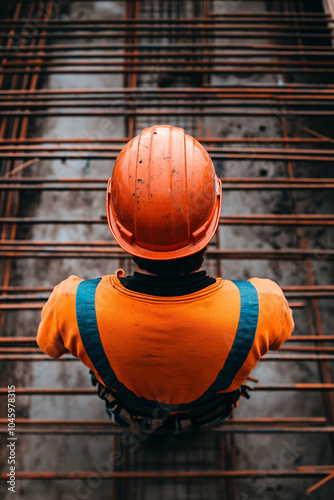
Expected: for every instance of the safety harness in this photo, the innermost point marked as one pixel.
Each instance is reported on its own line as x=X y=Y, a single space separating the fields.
x=128 y=409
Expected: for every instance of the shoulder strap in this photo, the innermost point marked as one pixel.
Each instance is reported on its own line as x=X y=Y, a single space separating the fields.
x=244 y=338
x=90 y=336
x=89 y=332
x=242 y=344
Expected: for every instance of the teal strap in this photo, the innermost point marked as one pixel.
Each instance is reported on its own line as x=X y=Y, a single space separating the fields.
x=244 y=338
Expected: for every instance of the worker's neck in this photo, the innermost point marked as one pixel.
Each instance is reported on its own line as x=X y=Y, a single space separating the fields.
x=143 y=271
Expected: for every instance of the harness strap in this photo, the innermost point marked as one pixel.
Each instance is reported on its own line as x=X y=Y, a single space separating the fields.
x=244 y=338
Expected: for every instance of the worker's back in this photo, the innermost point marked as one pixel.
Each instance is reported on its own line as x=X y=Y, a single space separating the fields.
x=167 y=349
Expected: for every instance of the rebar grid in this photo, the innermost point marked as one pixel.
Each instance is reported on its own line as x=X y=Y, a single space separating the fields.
x=177 y=42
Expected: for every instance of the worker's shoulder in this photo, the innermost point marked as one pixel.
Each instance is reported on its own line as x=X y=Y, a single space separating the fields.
x=267 y=287
x=63 y=297
x=68 y=286
x=271 y=299
x=64 y=292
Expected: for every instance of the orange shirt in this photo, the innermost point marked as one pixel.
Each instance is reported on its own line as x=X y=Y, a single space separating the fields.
x=166 y=349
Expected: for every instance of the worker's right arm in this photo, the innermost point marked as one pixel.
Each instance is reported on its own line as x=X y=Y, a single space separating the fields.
x=285 y=327
x=49 y=337
x=275 y=316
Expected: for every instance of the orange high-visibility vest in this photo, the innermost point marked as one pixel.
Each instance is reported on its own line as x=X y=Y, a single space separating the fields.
x=177 y=351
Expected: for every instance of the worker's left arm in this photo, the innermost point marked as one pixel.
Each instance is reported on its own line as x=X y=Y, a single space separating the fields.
x=49 y=337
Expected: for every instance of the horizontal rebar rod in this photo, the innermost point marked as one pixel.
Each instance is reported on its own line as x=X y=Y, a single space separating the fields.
x=211 y=149
x=231 y=52
x=288 y=348
x=264 y=14
x=193 y=64
x=10 y=51
x=232 y=100
x=62 y=426
x=283 y=156
x=135 y=69
x=165 y=32
x=268 y=14
x=275 y=114
x=227 y=187
x=15 y=184
x=169 y=26
x=268 y=219
x=183 y=21
x=293 y=89
x=220 y=430
x=27 y=181
x=231 y=97
x=194 y=474
x=211 y=140
x=112 y=243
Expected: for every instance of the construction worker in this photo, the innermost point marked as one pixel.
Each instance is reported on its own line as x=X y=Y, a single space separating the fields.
x=169 y=347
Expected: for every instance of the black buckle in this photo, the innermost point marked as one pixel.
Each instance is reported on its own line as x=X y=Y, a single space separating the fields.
x=244 y=391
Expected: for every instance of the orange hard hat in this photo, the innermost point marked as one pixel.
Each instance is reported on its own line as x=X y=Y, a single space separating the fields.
x=163 y=198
